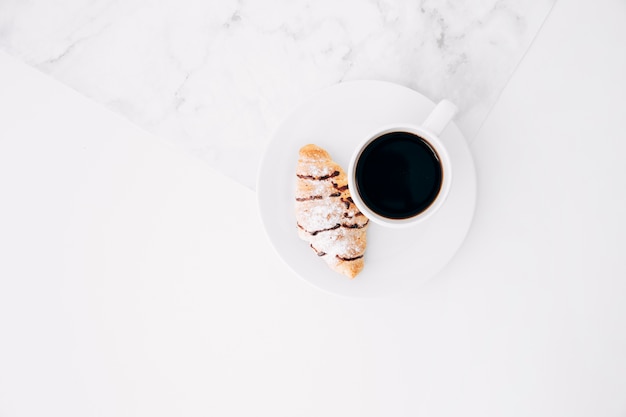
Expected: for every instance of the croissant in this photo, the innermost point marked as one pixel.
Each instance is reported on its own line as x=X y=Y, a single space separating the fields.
x=326 y=216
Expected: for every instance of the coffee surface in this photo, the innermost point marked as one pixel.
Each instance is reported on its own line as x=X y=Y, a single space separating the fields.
x=398 y=175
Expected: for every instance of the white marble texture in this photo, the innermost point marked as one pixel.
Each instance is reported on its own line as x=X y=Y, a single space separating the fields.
x=216 y=77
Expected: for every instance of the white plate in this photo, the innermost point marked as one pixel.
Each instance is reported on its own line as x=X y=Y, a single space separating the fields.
x=337 y=120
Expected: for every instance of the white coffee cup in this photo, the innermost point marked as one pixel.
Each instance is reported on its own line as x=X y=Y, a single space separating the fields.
x=401 y=174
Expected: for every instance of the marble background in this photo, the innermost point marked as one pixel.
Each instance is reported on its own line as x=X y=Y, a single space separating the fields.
x=216 y=77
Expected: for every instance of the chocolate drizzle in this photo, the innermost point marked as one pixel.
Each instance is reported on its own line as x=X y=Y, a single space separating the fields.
x=347 y=201
x=355 y=226
x=321 y=178
x=349 y=259
x=342 y=188
x=337 y=226
x=313 y=197
x=318 y=252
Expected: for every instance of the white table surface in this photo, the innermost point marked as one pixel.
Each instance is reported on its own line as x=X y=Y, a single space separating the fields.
x=134 y=280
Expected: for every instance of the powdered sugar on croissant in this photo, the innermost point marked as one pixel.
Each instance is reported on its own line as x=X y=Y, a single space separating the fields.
x=326 y=215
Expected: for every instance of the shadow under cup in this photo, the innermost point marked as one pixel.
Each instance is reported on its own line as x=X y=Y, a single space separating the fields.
x=398 y=175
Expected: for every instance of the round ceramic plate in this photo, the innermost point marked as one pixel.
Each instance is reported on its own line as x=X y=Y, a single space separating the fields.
x=337 y=119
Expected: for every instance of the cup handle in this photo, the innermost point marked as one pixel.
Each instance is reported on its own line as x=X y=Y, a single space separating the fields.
x=439 y=118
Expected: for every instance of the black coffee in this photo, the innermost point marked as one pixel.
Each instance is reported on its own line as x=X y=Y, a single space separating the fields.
x=398 y=175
